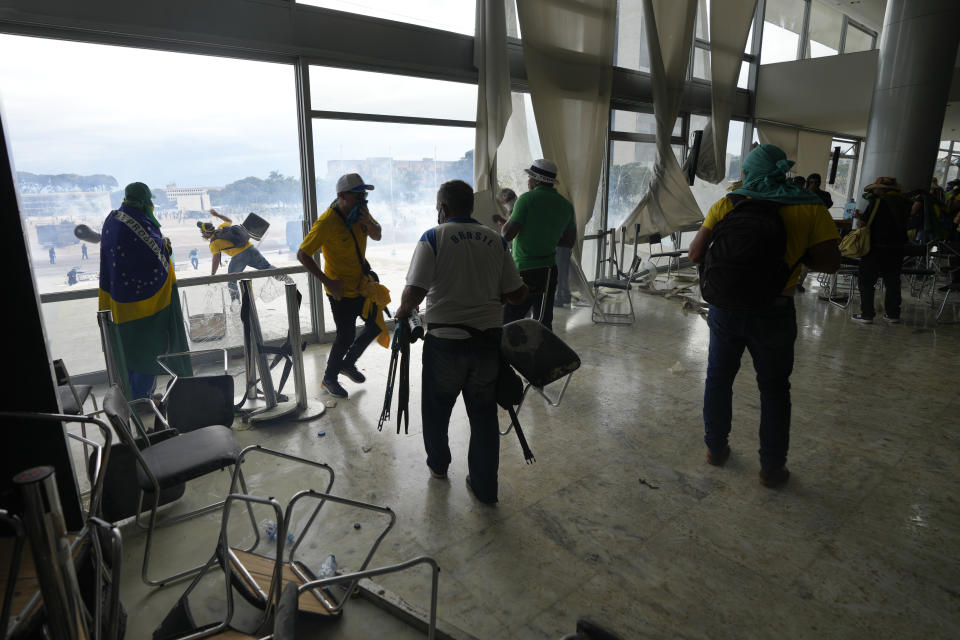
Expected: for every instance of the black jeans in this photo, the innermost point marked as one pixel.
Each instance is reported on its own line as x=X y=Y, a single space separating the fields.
x=348 y=346
x=470 y=367
x=881 y=263
x=535 y=279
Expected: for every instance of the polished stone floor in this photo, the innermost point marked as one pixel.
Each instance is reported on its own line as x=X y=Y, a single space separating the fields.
x=621 y=520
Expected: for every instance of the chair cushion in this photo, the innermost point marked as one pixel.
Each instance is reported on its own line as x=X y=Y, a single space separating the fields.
x=539 y=355
x=67 y=401
x=188 y=456
x=613 y=283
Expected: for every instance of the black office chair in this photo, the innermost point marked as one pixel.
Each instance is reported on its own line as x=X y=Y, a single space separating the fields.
x=168 y=463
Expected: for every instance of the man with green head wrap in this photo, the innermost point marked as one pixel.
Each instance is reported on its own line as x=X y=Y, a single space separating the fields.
x=769 y=331
x=139 y=287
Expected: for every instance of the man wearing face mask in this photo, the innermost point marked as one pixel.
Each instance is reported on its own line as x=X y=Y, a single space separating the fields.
x=341 y=233
x=463 y=269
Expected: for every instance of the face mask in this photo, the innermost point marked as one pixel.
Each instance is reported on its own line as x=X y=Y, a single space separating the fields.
x=354 y=214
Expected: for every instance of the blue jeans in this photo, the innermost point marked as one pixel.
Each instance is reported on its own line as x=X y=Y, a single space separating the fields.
x=769 y=335
x=248 y=258
x=470 y=367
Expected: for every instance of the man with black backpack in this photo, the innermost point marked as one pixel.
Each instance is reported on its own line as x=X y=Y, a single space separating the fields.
x=463 y=269
x=233 y=240
x=340 y=234
x=749 y=249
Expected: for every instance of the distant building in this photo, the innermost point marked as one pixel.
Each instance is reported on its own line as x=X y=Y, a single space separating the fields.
x=72 y=204
x=189 y=198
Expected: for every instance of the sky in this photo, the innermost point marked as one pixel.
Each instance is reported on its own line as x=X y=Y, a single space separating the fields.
x=193 y=120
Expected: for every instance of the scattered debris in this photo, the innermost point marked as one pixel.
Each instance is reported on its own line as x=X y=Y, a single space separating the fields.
x=321 y=433
x=366 y=448
x=644 y=482
x=356 y=525
x=677 y=368
x=330 y=404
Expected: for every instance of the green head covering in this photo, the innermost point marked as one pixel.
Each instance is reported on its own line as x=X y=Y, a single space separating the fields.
x=138 y=195
x=765 y=177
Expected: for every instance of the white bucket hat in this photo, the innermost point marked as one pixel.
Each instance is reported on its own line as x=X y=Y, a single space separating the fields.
x=543 y=171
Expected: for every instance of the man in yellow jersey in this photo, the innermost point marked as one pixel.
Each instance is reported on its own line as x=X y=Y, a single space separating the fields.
x=236 y=245
x=807 y=236
x=341 y=233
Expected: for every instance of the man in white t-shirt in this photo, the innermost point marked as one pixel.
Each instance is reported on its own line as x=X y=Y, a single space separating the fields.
x=464 y=271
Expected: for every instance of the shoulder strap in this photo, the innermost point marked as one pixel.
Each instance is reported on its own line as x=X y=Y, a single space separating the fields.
x=873 y=212
x=141 y=233
x=364 y=265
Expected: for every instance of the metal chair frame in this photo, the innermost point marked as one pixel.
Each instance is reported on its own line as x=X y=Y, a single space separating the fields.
x=121 y=425
x=597 y=314
x=94 y=528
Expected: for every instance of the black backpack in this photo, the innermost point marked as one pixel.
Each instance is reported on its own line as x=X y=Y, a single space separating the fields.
x=235 y=234
x=743 y=268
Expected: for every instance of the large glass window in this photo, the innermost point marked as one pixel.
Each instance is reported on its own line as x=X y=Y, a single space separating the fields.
x=858 y=40
x=405 y=161
x=351 y=91
x=75 y=147
x=447 y=15
x=781 y=31
x=826 y=26
x=85 y=120
x=631 y=49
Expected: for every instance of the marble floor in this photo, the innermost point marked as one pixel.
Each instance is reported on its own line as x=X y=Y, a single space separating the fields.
x=621 y=520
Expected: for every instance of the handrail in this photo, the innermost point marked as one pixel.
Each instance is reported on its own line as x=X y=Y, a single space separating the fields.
x=83 y=294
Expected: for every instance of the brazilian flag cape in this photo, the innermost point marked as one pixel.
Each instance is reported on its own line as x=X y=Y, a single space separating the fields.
x=138 y=284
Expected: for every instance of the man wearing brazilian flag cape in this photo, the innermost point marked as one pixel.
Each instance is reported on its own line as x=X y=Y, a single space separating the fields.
x=138 y=284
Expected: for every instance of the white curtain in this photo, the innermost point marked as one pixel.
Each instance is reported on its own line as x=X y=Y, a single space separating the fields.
x=729 y=29
x=568 y=52
x=809 y=150
x=669 y=204
x=494 y=105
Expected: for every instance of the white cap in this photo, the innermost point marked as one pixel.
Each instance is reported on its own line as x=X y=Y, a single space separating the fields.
x=352 y=182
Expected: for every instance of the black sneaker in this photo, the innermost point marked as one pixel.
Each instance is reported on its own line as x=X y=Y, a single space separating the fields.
x=474 y=493
x=862 y=319
x=334 y=388
x=891 y=320
x=774 y=478
x=350 y=370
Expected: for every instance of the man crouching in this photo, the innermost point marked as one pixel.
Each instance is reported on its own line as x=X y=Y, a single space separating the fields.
x=463 y=269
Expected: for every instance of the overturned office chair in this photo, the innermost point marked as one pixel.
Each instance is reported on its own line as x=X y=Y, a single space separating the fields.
x=600 y=314
x=251 y=571
x=168 y=463
x=278 y=614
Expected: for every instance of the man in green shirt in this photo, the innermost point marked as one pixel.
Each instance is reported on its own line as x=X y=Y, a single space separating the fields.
x=542 y=220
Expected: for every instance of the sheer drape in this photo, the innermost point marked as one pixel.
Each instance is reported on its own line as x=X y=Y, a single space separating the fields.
x=568 y=52
x=494 y=105
x=669 y=204
x=729 y=29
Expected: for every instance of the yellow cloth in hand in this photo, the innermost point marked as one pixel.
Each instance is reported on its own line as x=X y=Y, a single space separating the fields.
x=375 y=293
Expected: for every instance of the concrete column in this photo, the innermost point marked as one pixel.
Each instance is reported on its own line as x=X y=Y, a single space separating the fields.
x=918 y=51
